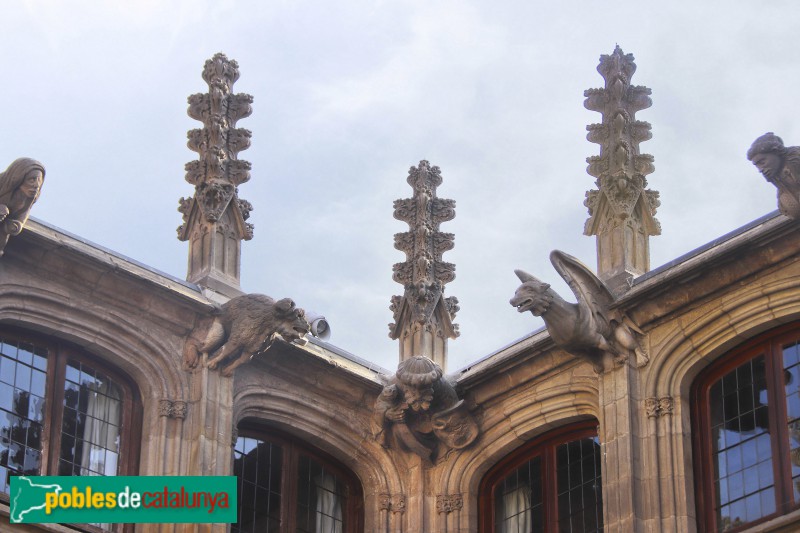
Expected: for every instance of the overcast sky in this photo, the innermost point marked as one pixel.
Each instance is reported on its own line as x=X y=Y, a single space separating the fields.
x=350 y=94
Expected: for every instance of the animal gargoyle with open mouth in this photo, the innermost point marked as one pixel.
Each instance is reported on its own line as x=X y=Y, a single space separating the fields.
x=590 y=329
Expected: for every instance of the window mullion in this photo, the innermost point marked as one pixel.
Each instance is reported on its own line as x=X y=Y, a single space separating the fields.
x=550 y=489
x=778 y=426
x=707 y=454
x=56 y=370
x=289 y=491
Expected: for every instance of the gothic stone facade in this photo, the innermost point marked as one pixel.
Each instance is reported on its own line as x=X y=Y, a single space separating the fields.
x=696 y=428
x=693 y=311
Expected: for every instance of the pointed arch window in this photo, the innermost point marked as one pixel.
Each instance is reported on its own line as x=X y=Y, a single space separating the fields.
x=552 y=484
x=62 y=412
x=746 y=429
x=286 y=486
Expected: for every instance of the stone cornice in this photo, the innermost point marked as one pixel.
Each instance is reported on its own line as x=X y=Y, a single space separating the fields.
x=57 y=240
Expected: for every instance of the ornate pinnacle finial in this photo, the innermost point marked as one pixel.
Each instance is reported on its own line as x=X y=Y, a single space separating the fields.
x=621 y=210
x=214 y=219
x=423 y=317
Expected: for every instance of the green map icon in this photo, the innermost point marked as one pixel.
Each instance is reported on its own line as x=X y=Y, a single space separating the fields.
x=28 y=497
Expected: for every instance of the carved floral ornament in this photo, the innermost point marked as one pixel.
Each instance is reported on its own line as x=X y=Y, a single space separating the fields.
x=394 y=503
x=591 y=329
x=447 y=503
x=218 y=172
x=172 y=408
x=424 y=274
x=658 y=407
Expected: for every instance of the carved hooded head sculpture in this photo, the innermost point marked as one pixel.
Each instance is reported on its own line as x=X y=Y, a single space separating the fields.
x=20 y=186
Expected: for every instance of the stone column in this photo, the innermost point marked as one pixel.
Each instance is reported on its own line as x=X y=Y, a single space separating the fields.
x=208 y=431
x=624 y=483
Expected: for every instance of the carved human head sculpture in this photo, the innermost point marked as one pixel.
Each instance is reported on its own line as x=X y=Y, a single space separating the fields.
x=767 y=153
x=20 y=186
x=24 y=177
x=416 y=377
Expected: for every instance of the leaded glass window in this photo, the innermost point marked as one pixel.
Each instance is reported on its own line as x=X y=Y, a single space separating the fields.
x=63 y=412
x=22 y=408
x=286 y=486
x=747 y=433
x=551 y=485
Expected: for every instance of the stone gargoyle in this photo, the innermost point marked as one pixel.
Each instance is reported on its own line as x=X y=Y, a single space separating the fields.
x=243 y=327
x=20 y=186
x=780 y=165
x=419 y=411
x=590 y=329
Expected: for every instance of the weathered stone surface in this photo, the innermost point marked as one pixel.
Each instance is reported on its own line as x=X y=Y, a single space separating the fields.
x=590 y=329
x=780 y=165
x=418 y=411
x=621 y=209
x=20 y=186
x=689 y=314
x=245 y=326
x=423 y=316
x=214 y=219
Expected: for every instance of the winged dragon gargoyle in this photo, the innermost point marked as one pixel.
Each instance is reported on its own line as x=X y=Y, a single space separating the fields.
x=590 y=329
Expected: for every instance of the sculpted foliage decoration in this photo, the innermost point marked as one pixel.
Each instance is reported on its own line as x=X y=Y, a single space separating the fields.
x=780 y=166
x=590 y=329
x=20 y=186
x=621 y=209
x=218 y=171
x=245 y=326
x=423 y=274
x=214 y=217
x=418 y=411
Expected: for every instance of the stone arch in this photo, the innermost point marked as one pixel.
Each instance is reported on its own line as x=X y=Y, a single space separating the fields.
x=699 y=338
x=538 y=412
x=152 y=363
x=694 y=341
x=345 y=436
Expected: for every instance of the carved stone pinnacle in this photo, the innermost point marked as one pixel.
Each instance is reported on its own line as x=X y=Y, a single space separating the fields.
x=214 y=218
x=621 y=209
x=423 y=316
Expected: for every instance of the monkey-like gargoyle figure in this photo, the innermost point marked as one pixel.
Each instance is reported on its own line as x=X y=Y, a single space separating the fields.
x=590 y=329
x=245 y=326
